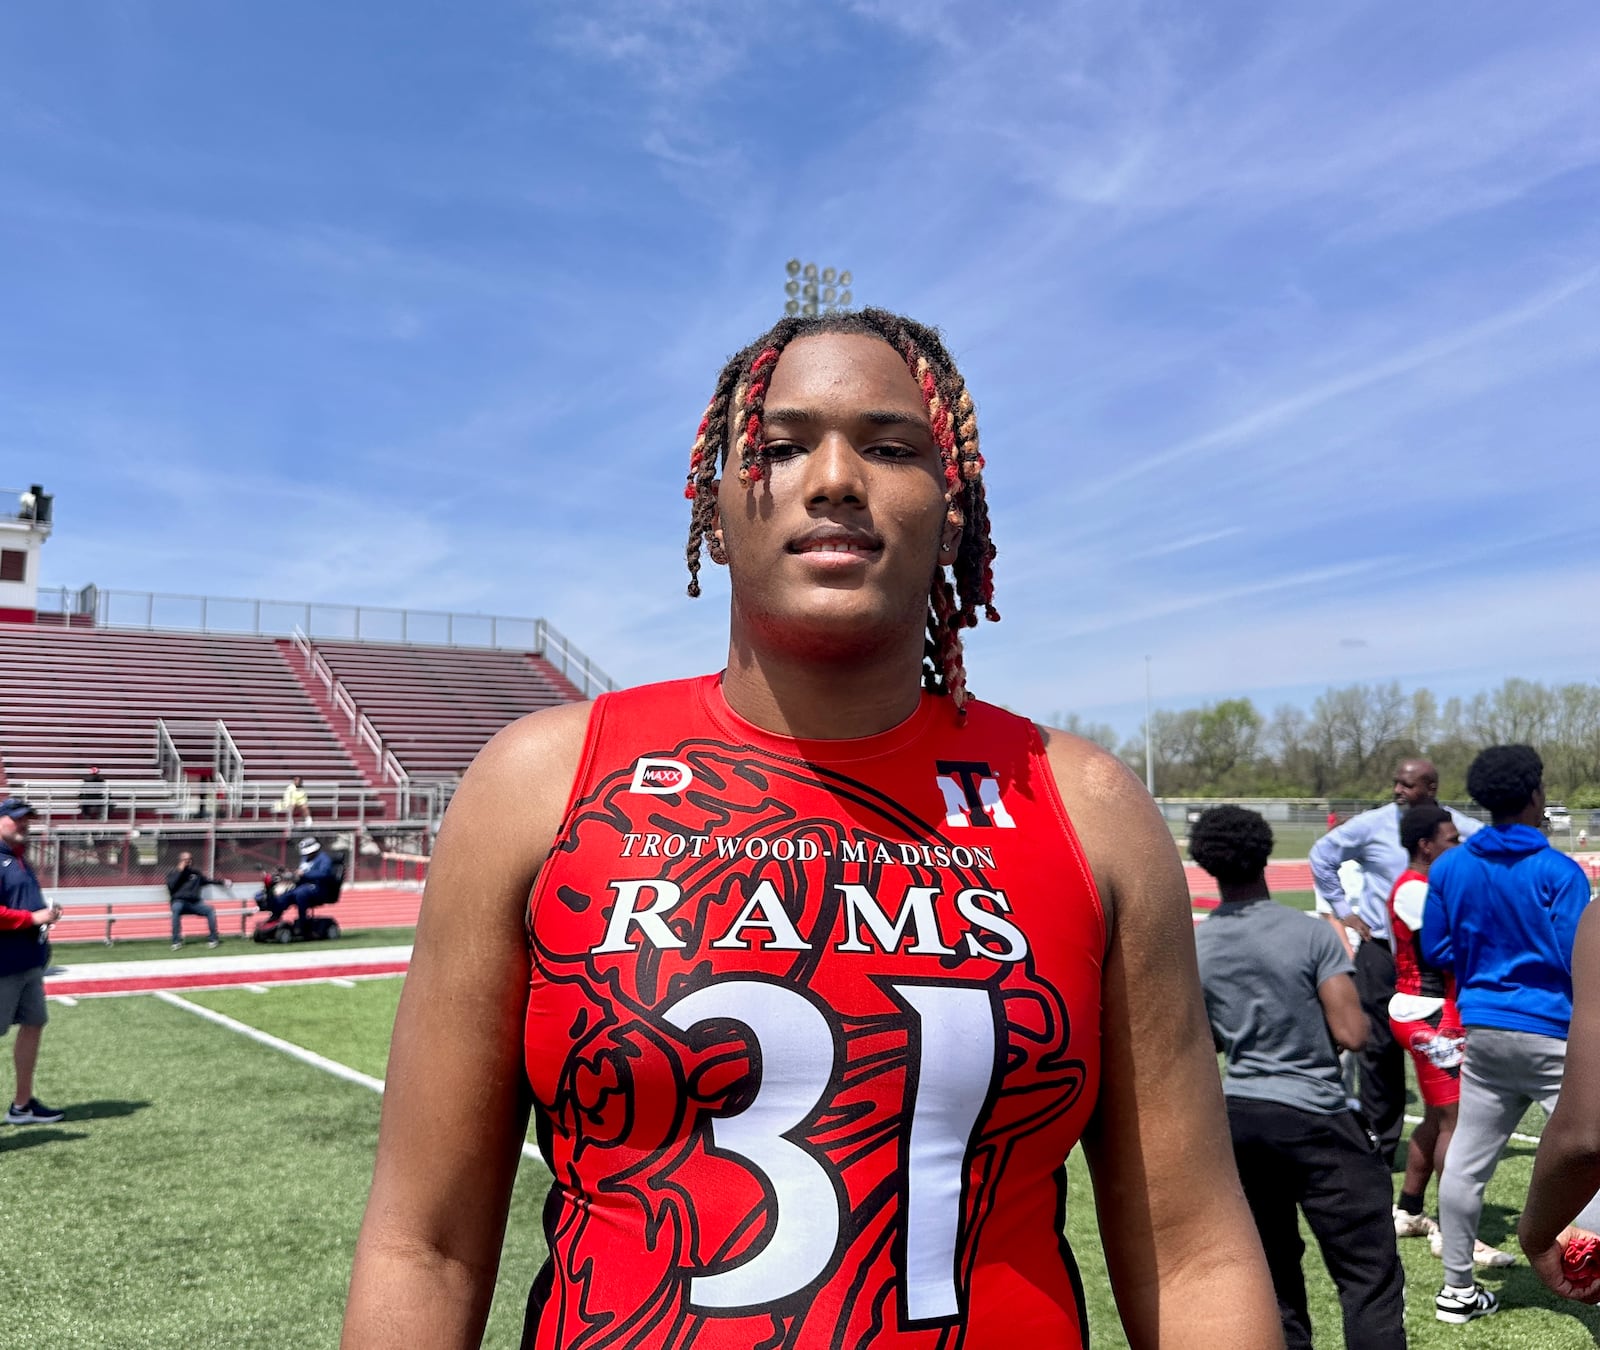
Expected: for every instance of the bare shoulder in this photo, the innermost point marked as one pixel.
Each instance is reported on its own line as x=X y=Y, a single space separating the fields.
x=1089 y=774
x=509 y=805
x=1126 y=841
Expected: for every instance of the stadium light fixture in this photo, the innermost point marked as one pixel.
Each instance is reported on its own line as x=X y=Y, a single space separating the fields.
x=811 y=290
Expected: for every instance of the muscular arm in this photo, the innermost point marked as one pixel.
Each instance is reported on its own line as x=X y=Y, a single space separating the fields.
x=1185 y=1261
x=1566 y=1171
x=454 y=1109
x=1341 y=1009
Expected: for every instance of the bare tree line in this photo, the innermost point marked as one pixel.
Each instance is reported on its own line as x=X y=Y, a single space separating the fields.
x=1346 y=746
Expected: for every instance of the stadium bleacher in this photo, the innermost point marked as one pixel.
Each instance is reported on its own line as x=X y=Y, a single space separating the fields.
x=71 y=697
x=435 y=707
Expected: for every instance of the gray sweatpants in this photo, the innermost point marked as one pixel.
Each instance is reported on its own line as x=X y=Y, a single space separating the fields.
x=1505 y=1072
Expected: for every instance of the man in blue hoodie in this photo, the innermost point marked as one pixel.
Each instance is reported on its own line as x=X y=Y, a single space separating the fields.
x=1502 y=912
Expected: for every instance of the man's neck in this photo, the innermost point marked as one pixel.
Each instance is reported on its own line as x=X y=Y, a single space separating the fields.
x=823 y=700
x=1241 y=892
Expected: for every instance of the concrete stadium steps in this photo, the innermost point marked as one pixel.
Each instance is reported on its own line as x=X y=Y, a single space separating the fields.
x=360 y=752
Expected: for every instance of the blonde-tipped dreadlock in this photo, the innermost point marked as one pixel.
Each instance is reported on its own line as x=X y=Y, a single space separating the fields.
x=732 y=427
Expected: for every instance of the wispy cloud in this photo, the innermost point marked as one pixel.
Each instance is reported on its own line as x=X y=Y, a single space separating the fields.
x=1273 y=318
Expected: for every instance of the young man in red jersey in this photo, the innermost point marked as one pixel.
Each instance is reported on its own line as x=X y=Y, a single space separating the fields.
x=814 y=971
x=1424 y=1019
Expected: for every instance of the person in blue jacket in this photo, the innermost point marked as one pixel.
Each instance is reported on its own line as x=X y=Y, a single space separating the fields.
x=24 y=953
x=316 y=882
x=1502 y=912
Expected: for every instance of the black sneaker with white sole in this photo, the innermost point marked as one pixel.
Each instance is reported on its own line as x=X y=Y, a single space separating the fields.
x=35 y=1112
x=1451 y=1306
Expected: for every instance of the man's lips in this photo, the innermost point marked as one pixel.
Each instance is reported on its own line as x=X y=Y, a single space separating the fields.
x=837 y=541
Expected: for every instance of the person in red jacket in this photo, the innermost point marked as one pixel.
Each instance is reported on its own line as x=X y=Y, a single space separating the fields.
x=813 y=971
x=24 y=954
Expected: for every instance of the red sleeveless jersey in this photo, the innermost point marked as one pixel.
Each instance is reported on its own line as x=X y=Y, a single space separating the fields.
x=812 y=1028
x=1412 y=974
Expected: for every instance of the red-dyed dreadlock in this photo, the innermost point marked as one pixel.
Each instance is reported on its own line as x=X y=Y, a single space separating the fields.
x=733 y=423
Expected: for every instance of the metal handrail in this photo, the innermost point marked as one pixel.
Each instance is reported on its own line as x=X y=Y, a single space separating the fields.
x=343 y=700
x=109 y=609
x=228 y=763
x=169 y=763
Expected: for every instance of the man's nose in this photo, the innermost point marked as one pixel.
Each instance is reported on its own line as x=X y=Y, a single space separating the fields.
x=834 y=470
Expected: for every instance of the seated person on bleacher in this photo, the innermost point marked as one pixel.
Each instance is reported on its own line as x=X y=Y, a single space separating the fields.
x=184 y=888
x=93 y=795
x=316 y=883
x=294 y=803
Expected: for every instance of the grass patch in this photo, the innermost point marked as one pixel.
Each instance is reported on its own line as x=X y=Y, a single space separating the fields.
x=206 y=1191
x=1290 y=843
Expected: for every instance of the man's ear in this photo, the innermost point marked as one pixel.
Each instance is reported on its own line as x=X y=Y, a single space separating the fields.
x=714 y=546
x=950 y=537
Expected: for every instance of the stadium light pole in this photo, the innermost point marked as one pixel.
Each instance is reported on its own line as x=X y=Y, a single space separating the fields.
x=1149 y=758
x=811 y=290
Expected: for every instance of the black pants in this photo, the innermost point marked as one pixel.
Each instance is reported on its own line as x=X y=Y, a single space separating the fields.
x=1324 y=1164
x=1383 y=1061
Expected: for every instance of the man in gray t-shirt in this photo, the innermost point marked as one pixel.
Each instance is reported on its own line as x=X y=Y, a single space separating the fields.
x=1281 y=999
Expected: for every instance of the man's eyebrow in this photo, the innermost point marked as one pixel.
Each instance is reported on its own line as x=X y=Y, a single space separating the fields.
x=878 y=417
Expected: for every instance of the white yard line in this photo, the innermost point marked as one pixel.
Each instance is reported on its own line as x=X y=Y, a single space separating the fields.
x=294 y=1051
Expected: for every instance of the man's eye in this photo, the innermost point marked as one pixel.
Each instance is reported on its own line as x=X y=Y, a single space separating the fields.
x=894 y=451
x=780 y=449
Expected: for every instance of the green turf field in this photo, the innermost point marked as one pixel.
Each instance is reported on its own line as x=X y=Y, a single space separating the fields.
x=205 y=1190
x=1290 y=843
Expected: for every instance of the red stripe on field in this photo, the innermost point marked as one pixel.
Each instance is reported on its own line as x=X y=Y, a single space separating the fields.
x=136 y=984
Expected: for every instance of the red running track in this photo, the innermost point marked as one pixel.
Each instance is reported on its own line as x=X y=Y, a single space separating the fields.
x=356 y=909
x=201 y=979
x=1281 y=876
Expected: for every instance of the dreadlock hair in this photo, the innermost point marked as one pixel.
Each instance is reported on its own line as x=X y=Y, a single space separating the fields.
x=1231 y=843
x=732 y=429
x=1503 y=779
x=1419 y=823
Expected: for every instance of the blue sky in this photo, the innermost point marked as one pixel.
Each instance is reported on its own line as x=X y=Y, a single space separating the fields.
x=1283 y=321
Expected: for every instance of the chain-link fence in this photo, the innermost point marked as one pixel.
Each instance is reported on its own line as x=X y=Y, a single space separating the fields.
x=114 y=854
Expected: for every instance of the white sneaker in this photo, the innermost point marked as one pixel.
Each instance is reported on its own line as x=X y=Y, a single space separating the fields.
x=1407 y=1224
x=1464 y=1307
x=1483 y=1254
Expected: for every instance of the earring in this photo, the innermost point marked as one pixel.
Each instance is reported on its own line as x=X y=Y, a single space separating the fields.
x=955 y=522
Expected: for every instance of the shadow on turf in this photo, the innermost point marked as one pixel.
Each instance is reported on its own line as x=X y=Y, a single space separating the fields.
x=103 y=1110
x=1519 y=1287
x=15 y=1137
